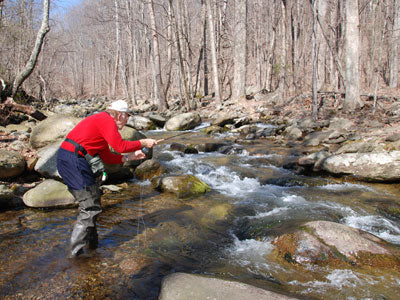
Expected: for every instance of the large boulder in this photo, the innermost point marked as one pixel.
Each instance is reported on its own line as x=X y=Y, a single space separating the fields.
x=182 y=186
x=140 y=123
x=12 y=164
x=380 y=167
x=47 y=161
x=184 y=121
x=181 y=286
x=52 y=129
x=49 y=193
x=329 y=243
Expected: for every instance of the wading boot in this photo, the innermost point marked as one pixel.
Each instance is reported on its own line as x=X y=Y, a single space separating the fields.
x=84 y=231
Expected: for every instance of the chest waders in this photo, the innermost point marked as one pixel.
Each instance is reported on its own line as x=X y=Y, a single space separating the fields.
x=88 y=198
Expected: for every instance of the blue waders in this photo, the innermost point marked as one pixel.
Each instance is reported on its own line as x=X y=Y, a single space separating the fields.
x=77 y=175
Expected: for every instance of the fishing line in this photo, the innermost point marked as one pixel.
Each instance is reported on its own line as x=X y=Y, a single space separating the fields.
x=140 y=218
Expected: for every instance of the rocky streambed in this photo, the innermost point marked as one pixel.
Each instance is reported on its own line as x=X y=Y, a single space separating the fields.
x=298 y=208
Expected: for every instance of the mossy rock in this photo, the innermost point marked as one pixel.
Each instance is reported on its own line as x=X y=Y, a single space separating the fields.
x=183 y=186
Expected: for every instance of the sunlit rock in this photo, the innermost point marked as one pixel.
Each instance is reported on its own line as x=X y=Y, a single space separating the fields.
x=184 y=121
x=329 y=243
x=382 y=166
x=181 y=286
x=52 y=129
x=50 y=193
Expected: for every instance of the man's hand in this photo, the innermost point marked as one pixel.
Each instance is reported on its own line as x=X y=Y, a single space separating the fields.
x=138 y=154
x=148 y=143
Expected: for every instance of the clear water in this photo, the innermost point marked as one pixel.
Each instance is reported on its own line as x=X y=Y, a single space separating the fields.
x=145 y=235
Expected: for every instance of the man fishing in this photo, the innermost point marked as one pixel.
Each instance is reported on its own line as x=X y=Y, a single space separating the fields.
x=80 y=164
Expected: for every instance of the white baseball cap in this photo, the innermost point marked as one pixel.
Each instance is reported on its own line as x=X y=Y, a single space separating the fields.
x=119 y=105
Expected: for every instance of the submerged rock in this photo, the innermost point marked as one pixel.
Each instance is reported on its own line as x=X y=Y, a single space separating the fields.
x=181 y=286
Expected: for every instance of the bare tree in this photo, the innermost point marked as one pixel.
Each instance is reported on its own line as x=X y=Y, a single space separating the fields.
x=158 y=85
x=394 y=54
x=352 y=46
x=240 y=50
x=30 y=65
x=314 y=61
x=210 y=20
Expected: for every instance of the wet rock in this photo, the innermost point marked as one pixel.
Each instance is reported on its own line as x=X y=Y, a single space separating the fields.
x=149 y=169
x=6 y=195
x=213 y=129
x=182 y=186
x=183 y=148
x=183 y=122
x=49 y=193
x=329 y=243
x=381 y=167
x=47 y=161
x=52 y=129
x=210 y=147
x=181 y=286
x=12 y=164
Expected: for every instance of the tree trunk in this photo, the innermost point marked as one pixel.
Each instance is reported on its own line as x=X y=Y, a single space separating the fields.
x=30 y=65
x=158 y=85
x=314 y=62
x=213 y=52
x=240 y=50
x=352 y=48
x=394 y=55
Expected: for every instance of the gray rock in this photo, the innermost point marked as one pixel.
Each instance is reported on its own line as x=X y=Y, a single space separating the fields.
x=49 y=193
x=181 y=286
x=51 y=130
x=157 y=119
x=382 y=166
x=347 y=240
x=140 y=123
x=183 y=122
x=12 y=164
x=293 y=133
x=47 y=161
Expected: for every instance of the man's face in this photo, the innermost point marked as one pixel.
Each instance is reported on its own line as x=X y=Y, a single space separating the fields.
x=121 y=120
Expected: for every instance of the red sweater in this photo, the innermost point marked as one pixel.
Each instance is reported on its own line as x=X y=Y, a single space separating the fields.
x=95 y=133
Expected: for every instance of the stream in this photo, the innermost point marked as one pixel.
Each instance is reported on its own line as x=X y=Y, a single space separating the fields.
x=227 y=233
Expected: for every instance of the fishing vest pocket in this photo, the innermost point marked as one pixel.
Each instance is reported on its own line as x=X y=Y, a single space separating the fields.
x=96 y=164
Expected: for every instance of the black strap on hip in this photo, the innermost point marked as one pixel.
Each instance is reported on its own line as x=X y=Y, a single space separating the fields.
x=78 y=147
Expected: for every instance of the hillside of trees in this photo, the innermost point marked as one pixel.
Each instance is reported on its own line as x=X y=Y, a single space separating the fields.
x=164 y=50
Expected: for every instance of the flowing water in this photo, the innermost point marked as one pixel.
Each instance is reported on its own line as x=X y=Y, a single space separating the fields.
x=226 y=233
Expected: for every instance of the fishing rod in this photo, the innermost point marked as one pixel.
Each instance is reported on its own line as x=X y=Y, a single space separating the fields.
x=146 y=150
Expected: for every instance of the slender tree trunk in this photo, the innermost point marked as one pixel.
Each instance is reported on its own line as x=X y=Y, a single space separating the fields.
x=394 y=55
x=180 y=57
x=240 y=50
x=352 y=46
x=213 y=52
x=158 y=88
x=202 y=47
x=314 y=62
x=30 y=65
